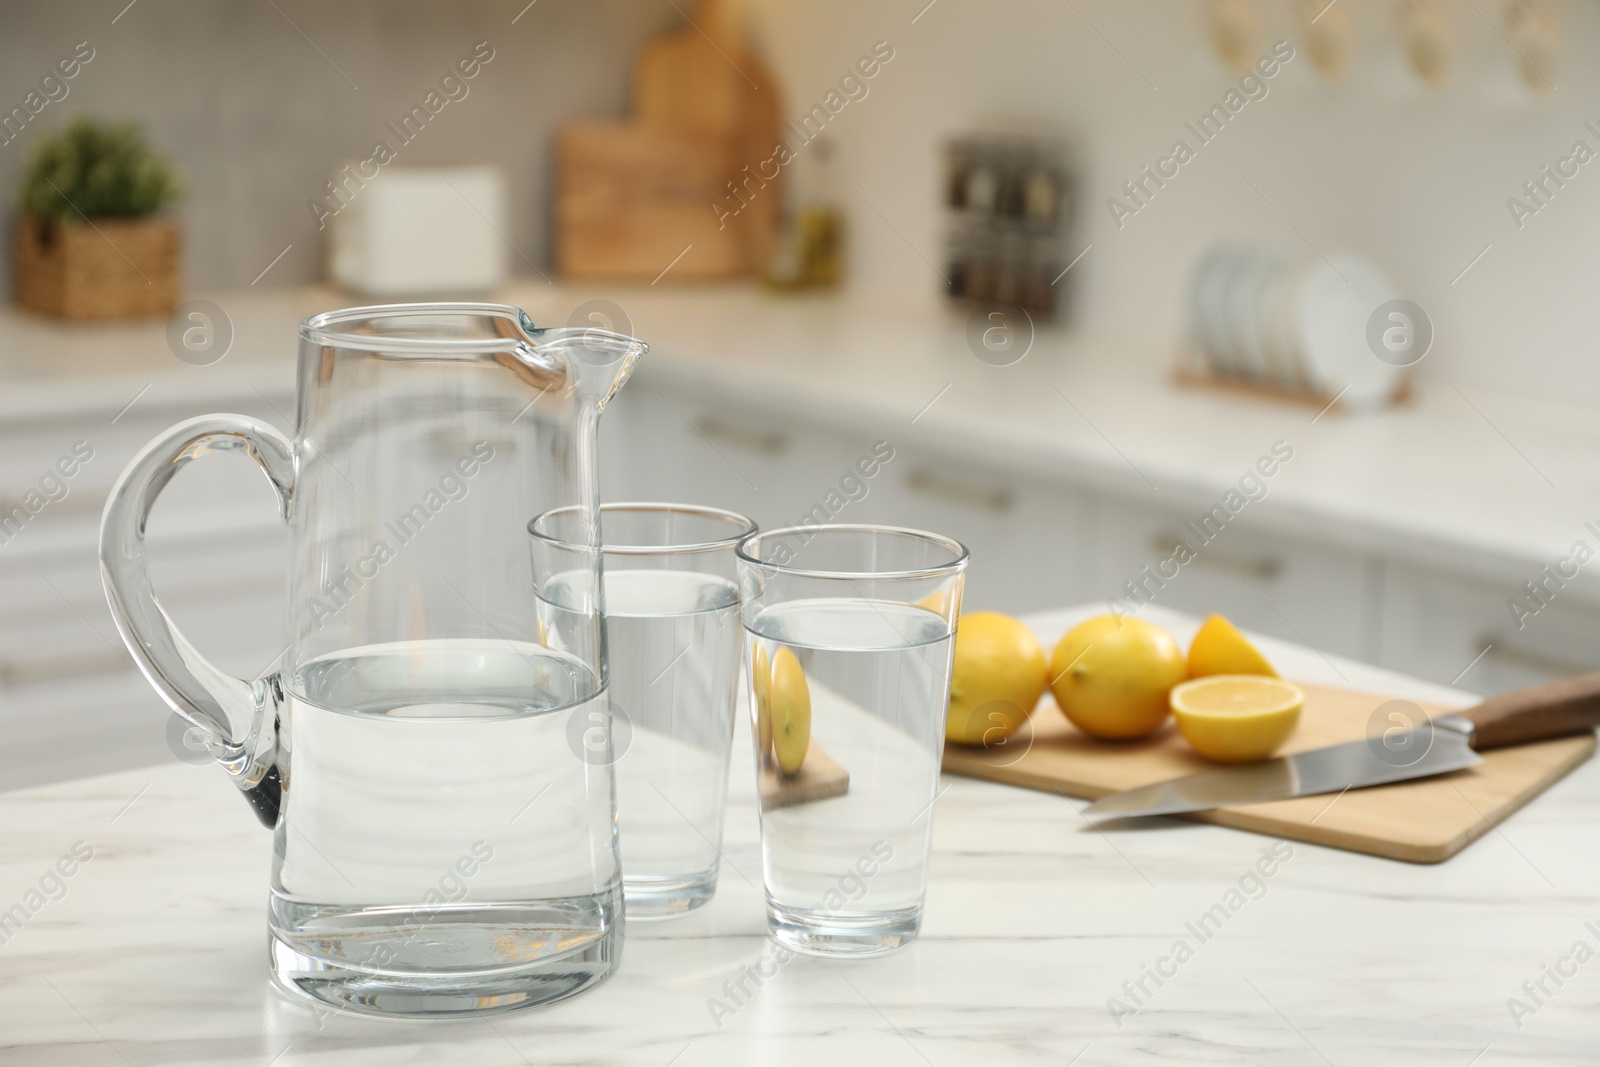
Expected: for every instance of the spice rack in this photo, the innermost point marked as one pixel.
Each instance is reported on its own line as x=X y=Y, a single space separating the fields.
x=1009 y=201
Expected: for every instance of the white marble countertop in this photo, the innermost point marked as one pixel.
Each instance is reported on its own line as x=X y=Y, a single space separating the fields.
x=155 y=953
x=1487 y=484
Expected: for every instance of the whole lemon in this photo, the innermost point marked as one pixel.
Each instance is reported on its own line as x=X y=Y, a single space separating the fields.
x=1111 y=676
x=998 y=676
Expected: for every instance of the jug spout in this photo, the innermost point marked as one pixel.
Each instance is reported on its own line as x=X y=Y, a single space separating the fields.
x=599 y=361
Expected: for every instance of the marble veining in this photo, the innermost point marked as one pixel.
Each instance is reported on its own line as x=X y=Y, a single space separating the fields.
x=154 y=953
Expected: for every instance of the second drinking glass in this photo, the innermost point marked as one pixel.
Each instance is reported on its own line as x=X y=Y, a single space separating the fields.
x=850 y=632
x=672 y=633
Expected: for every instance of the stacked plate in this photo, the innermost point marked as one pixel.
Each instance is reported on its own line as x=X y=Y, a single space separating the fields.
x=1299 y=324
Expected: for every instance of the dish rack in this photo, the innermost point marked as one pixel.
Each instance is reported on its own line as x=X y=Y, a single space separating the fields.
x=1325 y=330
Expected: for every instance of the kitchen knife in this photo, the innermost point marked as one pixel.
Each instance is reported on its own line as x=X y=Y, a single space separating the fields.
x=1447 y=743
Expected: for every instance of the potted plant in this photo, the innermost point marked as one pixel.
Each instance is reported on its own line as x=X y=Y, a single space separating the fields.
x=90 y=241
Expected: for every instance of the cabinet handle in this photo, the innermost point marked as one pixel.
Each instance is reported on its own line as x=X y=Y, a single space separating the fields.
x=767 y=442
x=1493 y=646
x=47 y=668
x=1265 y=568
x=980 y=497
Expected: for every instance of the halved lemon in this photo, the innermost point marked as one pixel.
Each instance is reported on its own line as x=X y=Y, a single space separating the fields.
x=1237 y=718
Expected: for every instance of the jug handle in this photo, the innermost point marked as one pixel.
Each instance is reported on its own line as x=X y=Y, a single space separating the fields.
x=236 y=719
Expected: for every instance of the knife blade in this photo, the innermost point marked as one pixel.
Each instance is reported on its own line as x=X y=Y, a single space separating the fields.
x=1448 y=743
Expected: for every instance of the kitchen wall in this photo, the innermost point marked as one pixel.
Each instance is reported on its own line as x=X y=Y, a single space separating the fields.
x=254 y=99
x=1416 y=177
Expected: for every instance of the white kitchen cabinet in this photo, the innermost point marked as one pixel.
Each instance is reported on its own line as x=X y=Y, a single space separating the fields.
x=1036 y=544
x=1458 y=630
x=1030 y=542
x=668 y=443
x=71 y=702
x=1320 y=596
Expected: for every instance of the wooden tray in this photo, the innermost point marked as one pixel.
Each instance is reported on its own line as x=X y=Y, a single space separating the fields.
x=1423 y=821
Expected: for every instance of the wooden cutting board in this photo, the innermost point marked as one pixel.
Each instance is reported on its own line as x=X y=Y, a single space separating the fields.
x=1422 y=821
x=632 y=200
x=690 y=181
x=705 y=80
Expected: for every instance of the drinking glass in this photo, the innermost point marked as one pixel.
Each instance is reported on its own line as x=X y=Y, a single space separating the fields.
x=672 y=649
x=850 y=631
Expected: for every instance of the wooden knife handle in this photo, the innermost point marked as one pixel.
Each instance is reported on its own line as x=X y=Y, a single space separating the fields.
x=1540 y=712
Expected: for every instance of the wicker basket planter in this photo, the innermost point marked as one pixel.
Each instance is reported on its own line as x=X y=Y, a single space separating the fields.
x=116 y=268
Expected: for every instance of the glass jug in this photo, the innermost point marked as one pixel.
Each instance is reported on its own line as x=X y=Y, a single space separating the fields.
x=445 y=835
